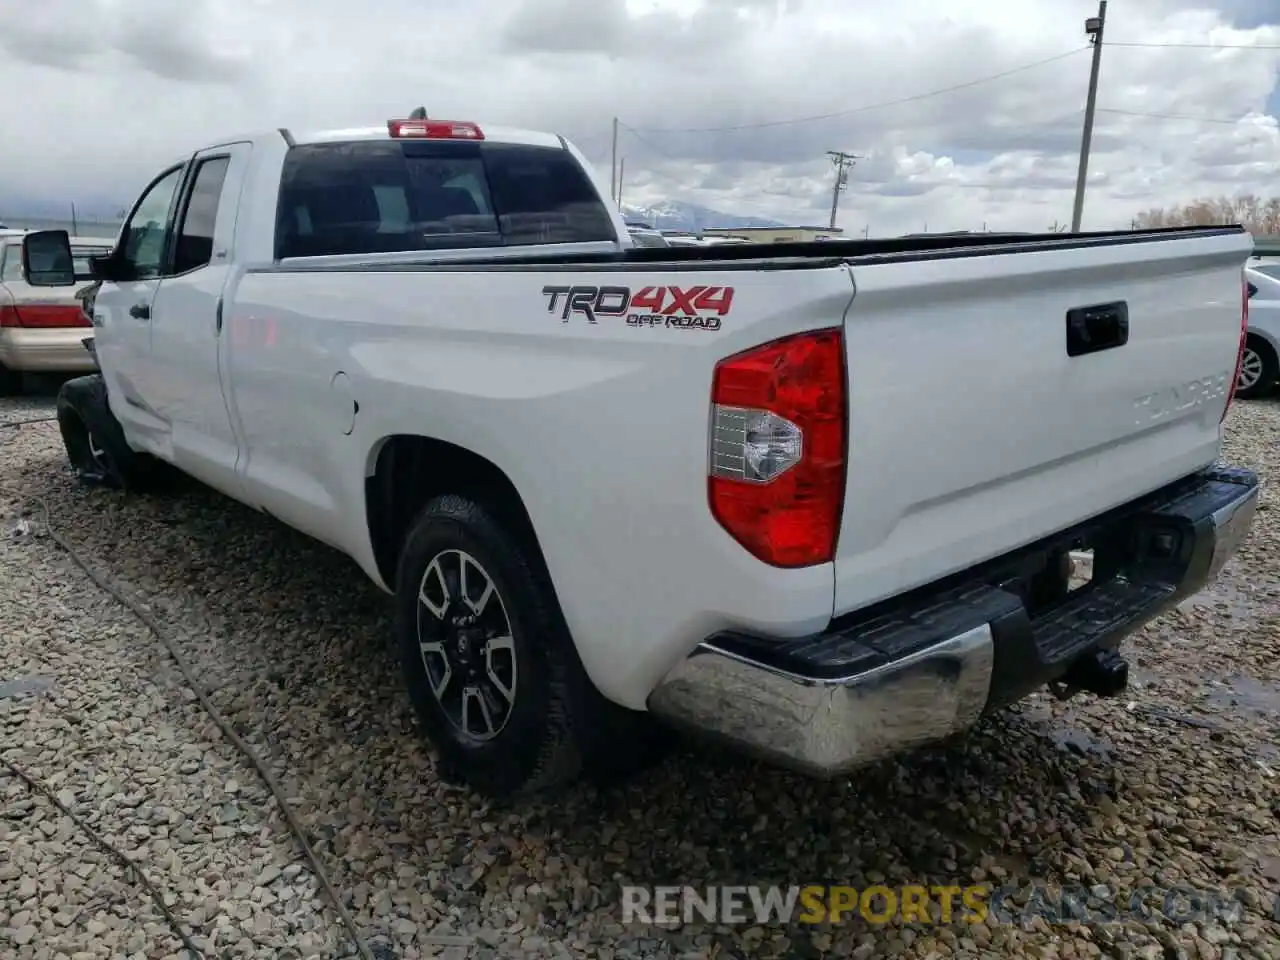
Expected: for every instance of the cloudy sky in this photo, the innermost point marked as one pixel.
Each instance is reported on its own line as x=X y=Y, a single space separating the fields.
x=726 y=103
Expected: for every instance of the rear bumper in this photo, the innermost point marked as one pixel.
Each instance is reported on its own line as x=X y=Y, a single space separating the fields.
x=928 y=665
x=52 y=349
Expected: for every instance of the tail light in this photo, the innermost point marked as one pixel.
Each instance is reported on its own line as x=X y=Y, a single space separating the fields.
x=43 y=315
x=777 y=469
x=1247 y=290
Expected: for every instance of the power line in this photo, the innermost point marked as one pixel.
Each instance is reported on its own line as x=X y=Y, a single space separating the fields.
x=647 y=142
x=871 y=106
x=1032 y=125
x=1177 y=116
x=955 y=87
x=1194 y=46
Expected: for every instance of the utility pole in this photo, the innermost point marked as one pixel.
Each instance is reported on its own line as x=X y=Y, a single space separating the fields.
x=622 y=168
x=613 y=166
x=1093 y=28
x=842 y=162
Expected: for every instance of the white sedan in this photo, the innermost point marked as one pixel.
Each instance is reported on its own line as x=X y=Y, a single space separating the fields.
x=1260 y=368
x=42 y=328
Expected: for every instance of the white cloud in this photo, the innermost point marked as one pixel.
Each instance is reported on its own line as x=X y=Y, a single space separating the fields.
x=102 y=92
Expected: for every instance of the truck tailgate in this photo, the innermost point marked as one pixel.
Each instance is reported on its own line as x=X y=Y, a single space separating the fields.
x=973 y=431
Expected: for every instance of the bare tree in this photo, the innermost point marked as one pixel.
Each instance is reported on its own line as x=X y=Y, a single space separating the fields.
x=1254 y=213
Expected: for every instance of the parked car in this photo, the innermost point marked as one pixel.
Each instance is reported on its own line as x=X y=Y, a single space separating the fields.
x=1260 y=365
x=681 y=240
x=647 y=237
x=41 y=328
x=770 y=493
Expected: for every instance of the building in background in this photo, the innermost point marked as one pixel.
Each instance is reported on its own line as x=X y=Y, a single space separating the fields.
x=775 y=234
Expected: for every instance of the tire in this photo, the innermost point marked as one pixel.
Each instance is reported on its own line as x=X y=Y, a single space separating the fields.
x=95 y=442
x=542 y=723
x=1259 y=369
x=10 y=382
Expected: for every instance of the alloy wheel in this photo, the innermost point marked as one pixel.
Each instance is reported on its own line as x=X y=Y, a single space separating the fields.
x=466 y=643
x=1250 y=369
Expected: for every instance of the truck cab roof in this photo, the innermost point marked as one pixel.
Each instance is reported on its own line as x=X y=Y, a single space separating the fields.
x=306 y=135
x=492 y=134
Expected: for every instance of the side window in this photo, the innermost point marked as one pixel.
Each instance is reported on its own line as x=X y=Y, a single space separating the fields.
x=12 y=268
x=542 y=195
x=194 y=247
x=143 y=236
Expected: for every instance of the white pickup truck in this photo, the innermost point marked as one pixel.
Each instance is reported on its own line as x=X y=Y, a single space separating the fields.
x=819 y=500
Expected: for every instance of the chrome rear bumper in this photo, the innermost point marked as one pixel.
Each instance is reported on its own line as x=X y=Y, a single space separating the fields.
x=46 y=349
x=912 y=674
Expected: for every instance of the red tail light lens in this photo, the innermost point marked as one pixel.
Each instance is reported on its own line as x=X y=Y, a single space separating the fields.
x=1246 y=291
x=778 y=432
x=434 y=130
x=43 y=316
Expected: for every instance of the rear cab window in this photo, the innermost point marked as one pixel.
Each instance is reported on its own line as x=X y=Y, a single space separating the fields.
x=374 y=196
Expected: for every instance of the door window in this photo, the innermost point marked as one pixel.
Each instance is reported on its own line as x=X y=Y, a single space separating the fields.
x=143 y=236
x=194 y=248
x=12 y=269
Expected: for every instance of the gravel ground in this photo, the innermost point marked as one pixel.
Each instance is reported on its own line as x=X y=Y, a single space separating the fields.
x=1173 y=784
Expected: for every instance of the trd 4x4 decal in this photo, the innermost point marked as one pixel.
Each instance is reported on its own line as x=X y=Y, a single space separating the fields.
x=684 y=308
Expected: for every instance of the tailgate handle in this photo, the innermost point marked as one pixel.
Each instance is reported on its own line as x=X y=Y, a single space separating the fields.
x=1100 y=327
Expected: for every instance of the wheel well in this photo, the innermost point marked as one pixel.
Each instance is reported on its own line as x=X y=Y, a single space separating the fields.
x=412 y=470
x=1258 y=340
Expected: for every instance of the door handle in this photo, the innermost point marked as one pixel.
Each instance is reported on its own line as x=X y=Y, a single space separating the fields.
x=1104 y=326
x=140 y=311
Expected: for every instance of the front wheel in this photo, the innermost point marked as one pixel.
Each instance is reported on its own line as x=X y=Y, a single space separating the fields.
x=95 y=441
x=489 y=663
x=1259 y=369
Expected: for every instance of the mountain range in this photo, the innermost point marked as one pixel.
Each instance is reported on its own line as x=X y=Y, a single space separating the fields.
x=676 y=215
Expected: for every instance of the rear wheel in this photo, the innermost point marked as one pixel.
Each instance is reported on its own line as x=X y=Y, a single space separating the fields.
x=490 y=666
x=1259 y=369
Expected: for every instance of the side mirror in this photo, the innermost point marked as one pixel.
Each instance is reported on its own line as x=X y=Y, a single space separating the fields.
x=47 y=260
